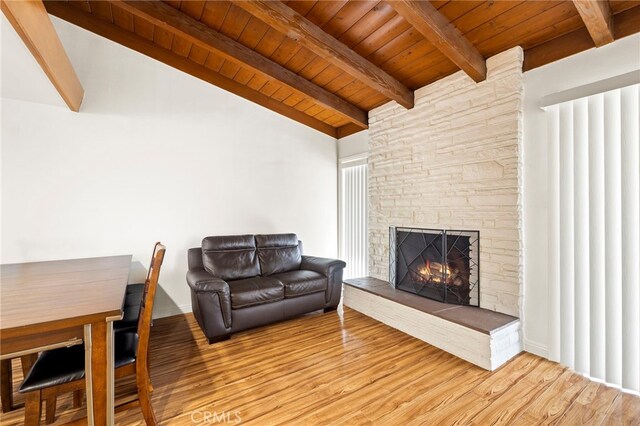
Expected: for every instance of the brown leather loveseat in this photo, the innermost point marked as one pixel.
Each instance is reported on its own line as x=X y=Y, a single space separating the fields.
x=244 y=281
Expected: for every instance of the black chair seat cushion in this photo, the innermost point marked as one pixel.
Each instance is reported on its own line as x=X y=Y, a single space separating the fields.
x=64 y=365
x=255 y=291
x=299 y=283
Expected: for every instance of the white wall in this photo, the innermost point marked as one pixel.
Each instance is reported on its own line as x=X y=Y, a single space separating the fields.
x=355 y=144
x=20 y=76
x=594 y=65
x=153 y=155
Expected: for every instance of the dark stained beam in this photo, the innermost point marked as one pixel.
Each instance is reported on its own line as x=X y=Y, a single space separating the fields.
x=32 y=23
x=128 y=39
x=597 y=17
x=346 y=130
x=436 y=28
x=624 y=23
x=168 y=18
x=287 y=21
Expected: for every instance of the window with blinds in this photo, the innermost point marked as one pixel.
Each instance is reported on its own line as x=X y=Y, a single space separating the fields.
x=594 y=245
x=353 y=216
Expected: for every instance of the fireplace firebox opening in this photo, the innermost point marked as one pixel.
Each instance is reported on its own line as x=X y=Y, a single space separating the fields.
x=443 y=265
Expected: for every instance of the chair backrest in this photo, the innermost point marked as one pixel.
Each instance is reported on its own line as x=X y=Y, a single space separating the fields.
x=153 y=255
x=146 y=306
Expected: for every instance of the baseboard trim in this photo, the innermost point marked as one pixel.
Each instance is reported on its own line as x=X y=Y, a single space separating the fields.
x=170 y=311
x=536 y=348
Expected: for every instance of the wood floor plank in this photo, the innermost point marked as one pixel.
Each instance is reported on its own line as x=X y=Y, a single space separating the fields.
x=503 y=408
x=346 y=368
x=551 y=405
x=591 y=406
x=624 y=411
x=373 y=390
x=458 y=392
x=343 y=380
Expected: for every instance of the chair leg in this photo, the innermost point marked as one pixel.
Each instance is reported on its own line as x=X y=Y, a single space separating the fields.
x=77 y=398
x=32 y=408
x=6 y=385
x=50 y=409
x=145 y=401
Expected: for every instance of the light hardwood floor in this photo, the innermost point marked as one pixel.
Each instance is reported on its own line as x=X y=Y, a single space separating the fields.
x=346 y=368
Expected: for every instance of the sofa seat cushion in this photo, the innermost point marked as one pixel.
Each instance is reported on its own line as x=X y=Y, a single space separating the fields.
x=255 y=291
x=301 y=282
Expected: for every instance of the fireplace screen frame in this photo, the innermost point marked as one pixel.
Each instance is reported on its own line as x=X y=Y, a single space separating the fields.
x=441 y=291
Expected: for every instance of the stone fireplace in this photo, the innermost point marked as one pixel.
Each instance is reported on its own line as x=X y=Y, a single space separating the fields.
x=451 y=162
x=454 y=162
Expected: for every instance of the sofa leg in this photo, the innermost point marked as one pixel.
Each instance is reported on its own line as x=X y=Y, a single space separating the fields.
x=217 y=339
x=330 y=309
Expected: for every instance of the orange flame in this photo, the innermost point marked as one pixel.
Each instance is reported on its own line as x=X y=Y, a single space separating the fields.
x=436 y=274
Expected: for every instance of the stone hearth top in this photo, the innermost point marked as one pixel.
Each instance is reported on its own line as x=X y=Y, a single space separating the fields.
x=479 y=319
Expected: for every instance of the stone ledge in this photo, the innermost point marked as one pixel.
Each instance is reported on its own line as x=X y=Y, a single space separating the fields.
x=478 y=319
x=485 y=338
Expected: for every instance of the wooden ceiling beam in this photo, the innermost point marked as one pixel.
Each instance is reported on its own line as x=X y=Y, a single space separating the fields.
x=436 y=28
x=597 y=17
x=347 y=130
x=128 y=39
x=32 y=23
x=624 y=23
x=289 y=22
x=168 y=18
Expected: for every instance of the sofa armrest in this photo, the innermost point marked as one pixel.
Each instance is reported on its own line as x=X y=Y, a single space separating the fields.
x=200 y=280
x=206 y=289
x=321 y=265
x=330 y=268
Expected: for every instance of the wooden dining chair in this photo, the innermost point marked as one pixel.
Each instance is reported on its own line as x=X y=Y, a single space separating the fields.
x=6 y=379
x=61 y=370
x=132 y=302
x=129 y=322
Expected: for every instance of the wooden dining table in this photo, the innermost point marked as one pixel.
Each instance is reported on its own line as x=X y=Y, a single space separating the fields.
x=47 y=305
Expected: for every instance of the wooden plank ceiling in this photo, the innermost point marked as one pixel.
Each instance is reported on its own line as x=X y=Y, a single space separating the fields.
x=326 y=63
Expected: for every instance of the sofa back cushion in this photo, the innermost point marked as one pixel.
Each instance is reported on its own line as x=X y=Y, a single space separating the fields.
x=278 y=253
x=230 y=257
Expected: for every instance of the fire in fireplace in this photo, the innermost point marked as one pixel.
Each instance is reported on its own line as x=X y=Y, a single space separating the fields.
x=439 y=264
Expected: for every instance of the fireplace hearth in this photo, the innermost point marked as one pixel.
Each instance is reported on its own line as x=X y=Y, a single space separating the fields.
x=443 y=265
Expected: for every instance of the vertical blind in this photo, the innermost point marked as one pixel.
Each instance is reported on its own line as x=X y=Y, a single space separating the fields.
x=353 y=218
x=594 y=236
